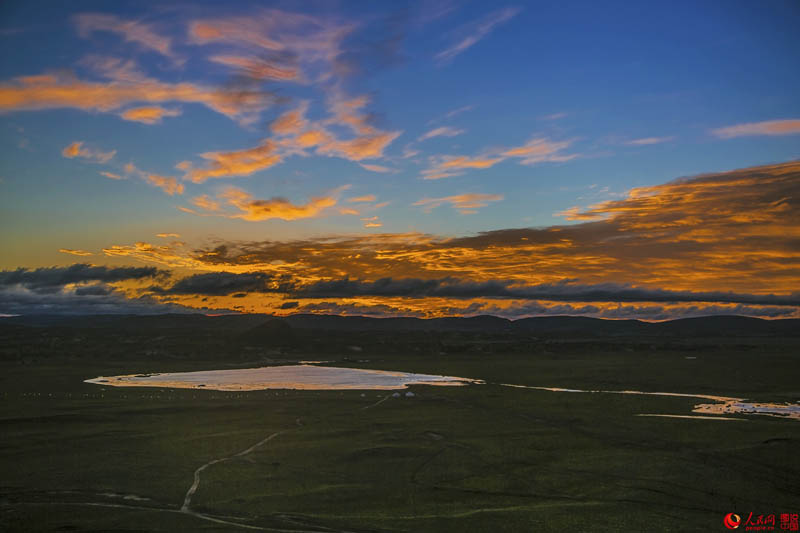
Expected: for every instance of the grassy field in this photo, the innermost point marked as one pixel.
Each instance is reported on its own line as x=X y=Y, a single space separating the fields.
x=78 y=457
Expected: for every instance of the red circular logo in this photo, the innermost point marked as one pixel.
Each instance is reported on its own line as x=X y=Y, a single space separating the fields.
x=732 y=521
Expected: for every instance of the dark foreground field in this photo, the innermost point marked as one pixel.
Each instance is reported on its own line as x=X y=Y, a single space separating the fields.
x=81 y=457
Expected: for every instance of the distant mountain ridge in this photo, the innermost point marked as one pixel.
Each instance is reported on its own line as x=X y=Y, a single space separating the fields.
x=710 y=326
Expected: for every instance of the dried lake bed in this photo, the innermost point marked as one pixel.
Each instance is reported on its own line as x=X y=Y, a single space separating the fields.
x=299 y=377
x=313 y=377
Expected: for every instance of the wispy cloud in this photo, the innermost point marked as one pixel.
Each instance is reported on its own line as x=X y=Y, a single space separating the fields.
x=111 y=175
x=535 y=151
x=540 y=150
x=308 y=46
x=75 y=252
x=645 y=141
x=291 y=122
x=205 y=202
x=236 y=163
x=444 y=131
x=296 y=135
x=376 y=168
x=138 y=32
x=362 y=199
x=452 y=113
x=458 y=111
x=372 y=222
x=648 y=140
x=260 y=68
x=52 y=91
x=168 y=184
x=577 y=213
x=466 y=204
x=769 y=127
x=76 y=149
x=476 y=31
x=449 y=166
x=149 y=114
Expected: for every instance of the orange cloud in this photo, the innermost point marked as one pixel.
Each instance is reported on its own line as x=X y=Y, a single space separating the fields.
x=204 y=202
x=466 y=204
x=291 y=122
x=149 y=115
x=376 y=168
x=366 y=147
x=60 y=91
x=169 y=254
x=294 y=135
x=537 y=150
x=449 y=166
x=70 y=251
x=576 y=213
x=310 y=138
x=731 y=231
x=361 y=199
x=111 y=175
x=371 y=222
x=276 y=207
x=721 y=243
x=369 y=143
x=167 y=235
x=236 y=163
x=76 y=149
x=769 y=127
x=166 y=183
x=541 y=150
x=466 y=162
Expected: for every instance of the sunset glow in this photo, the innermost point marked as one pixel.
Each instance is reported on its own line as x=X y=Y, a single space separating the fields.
x=414 y=159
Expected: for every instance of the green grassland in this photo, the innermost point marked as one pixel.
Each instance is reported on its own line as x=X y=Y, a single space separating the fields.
x=82 y=457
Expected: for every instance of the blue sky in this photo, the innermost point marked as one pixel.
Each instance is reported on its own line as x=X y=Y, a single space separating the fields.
x=445 y=119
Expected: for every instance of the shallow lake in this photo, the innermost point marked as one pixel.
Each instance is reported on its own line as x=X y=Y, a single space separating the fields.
x=282 y=377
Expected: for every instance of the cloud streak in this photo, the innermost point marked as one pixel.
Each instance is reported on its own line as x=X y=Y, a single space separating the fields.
x=768 y=127
x=474 y=32
x=53 y=91
x=444 y=131
x=537 y=150
x=137 y=32
x=76 y=149
x=466 y=204
x=149 y=115
x=74 y=252
x=646 y=141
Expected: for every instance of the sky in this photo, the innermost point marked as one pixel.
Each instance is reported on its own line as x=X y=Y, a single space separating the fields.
x=615 y=159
